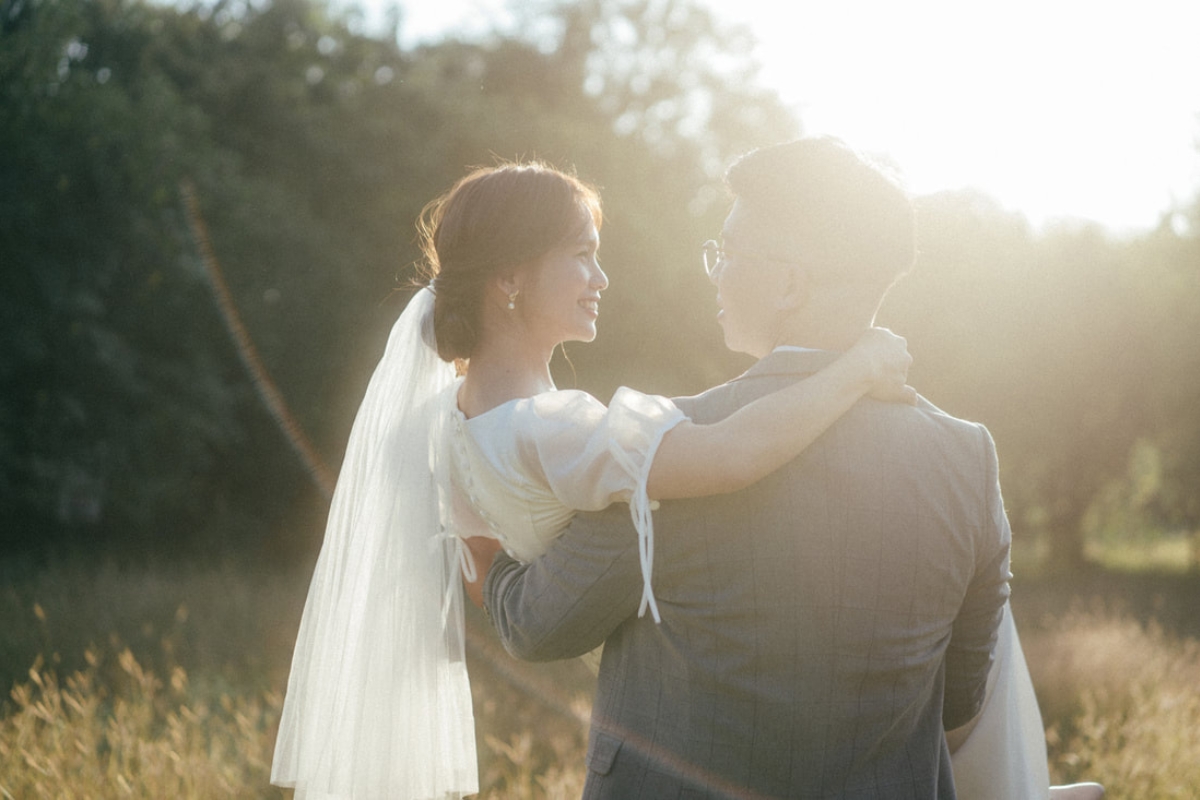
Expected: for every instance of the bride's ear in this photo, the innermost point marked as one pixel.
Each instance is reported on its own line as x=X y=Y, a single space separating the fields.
x=507 y=283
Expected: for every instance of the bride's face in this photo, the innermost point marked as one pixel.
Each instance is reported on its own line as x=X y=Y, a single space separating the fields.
x=560 y=300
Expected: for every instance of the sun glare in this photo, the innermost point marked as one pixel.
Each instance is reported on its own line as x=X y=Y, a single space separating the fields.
x=1057 y=109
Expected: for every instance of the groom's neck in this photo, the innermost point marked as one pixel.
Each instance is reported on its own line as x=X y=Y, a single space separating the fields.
x=837 y=338
x=826 y=324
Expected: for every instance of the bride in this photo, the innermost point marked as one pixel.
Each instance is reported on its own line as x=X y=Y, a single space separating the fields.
x=378 y=702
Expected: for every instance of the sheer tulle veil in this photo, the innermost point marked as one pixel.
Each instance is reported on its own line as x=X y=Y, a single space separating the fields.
x=378 y=704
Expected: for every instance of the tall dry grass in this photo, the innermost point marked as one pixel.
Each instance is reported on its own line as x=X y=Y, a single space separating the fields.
x=122 y=733
x=1121 y=702
x=152 y=686
x=167 y=683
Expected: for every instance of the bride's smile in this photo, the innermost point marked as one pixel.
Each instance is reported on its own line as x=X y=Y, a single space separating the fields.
x=560 y=298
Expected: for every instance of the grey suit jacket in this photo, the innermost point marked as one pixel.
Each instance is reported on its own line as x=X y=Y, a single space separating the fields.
x=818 y=628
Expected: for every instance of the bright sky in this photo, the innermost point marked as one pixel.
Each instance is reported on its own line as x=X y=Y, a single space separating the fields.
x=1056 y=108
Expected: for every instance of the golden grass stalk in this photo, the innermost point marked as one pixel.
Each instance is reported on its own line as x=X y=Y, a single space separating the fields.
x=1119 y=699
x=1122 y=705
x=133 y=737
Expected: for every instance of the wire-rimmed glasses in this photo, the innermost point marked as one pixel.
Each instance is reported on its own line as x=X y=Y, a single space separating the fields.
x=715 y=256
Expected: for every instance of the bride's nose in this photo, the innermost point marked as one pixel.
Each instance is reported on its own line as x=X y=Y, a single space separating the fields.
x=599 y=280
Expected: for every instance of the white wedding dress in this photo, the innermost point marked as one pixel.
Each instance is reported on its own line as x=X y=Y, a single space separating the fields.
x=521 y=470
x=1004 y=757
x=378 y=703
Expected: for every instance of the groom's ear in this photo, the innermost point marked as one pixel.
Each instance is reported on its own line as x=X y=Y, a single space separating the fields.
x=793 y=288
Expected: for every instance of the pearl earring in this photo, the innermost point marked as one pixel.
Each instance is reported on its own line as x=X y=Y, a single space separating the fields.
x=511 y=301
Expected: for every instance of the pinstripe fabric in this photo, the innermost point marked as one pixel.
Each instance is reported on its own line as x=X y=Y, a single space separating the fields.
x=817 y=628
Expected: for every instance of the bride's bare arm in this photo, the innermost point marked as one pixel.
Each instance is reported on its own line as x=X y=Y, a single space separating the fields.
x=698 y=460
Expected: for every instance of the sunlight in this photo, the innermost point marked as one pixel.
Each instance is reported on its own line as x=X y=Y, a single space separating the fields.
x=1057 y=109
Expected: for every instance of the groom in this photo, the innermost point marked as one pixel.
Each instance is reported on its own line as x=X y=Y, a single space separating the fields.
x=822 y=628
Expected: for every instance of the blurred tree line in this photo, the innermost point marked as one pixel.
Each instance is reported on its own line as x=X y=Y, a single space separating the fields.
x=128 y=426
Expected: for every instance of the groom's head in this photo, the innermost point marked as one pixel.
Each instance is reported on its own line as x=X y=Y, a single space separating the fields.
x=816 y=237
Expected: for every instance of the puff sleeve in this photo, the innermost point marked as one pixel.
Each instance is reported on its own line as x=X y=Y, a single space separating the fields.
x=592 y=456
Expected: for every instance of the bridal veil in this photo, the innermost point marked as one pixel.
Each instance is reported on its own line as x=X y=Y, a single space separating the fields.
x=378 y=703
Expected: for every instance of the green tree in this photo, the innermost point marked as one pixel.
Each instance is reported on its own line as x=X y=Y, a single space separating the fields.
x=103 y=388
x=312 y=149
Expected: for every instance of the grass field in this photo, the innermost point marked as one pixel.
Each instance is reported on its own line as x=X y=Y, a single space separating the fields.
x=153 y=684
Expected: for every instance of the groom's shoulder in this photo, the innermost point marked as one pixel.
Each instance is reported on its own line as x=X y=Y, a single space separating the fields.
x=710 y=405
x=939 y=424
x=764 y=376
x=688 y=403
x=925 y=408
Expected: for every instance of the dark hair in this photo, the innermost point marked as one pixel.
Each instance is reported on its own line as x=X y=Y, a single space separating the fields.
x=494 y=218
x=843 y=215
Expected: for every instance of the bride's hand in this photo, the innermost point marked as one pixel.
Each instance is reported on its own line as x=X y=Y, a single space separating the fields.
x=886 y=360
x=483 y=550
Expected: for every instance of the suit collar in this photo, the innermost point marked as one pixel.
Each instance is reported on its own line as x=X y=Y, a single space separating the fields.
x=790 y=362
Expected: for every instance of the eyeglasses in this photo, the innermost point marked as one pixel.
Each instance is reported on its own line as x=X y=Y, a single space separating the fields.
x=715 y=256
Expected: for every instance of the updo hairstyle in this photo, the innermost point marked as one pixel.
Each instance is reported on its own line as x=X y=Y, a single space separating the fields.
x=494 y=219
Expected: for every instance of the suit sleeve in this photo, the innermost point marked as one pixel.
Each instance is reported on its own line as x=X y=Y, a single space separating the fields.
x=973 y=640
x=566 y=602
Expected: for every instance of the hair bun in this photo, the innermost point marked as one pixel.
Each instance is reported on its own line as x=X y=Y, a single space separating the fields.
x=454 y=333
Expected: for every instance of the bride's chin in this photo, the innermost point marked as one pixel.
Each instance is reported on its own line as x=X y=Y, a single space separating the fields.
x=584 y=334
x=583 y=337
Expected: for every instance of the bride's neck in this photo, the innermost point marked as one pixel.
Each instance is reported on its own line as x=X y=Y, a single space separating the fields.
x=502 y=371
